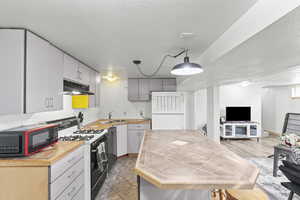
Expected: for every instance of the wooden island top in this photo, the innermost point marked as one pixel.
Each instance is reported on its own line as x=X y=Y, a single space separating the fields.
x=171 y=159
x=46 y=157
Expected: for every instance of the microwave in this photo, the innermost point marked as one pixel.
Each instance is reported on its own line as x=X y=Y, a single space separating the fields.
x=27 y=140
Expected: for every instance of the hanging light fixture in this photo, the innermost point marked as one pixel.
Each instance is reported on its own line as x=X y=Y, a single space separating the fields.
x=183 y=69
x=186 y=68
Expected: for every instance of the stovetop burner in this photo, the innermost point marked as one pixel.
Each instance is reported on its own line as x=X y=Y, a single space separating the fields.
x=83 y=132
x=76 y=138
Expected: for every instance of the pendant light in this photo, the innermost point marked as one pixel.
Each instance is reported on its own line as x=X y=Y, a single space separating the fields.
x=186 y=68
x=183 y=69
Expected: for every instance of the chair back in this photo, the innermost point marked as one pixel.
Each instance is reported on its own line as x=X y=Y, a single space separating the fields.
x=291 y=124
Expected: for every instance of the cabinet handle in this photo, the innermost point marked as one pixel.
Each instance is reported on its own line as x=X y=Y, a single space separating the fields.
x=52 y=102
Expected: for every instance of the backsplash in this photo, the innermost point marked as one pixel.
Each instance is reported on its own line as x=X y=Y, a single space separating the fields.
x=114 y=98
x=9 y=121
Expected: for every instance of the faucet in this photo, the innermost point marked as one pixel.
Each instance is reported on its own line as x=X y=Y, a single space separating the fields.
x=142 y=114
x=110 y=115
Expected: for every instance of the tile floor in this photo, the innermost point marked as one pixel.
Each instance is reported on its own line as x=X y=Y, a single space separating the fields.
x=121 y=182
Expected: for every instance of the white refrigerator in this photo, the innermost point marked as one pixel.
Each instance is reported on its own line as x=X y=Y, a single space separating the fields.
x=172 y=110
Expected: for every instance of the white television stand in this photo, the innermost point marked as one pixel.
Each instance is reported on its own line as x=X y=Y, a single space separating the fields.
x=240 y=129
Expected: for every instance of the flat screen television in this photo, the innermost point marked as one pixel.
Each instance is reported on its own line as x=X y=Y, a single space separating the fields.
x=238 y=113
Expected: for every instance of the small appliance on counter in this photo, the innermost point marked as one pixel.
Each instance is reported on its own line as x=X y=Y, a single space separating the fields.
x=27 y=140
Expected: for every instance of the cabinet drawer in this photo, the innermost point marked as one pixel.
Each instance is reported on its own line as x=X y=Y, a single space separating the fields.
x=61 y=166
x=63 y=181
x=79 y=195
x=72 y=189
x=136 y=126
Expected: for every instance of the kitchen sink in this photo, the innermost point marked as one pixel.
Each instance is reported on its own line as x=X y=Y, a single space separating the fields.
x=111 y=121
x=119 y=120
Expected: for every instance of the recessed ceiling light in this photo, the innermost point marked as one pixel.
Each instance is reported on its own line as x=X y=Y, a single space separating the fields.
x=245 y=83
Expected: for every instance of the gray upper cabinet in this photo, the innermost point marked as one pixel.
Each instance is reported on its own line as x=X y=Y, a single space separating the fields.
x=70 y=68
x=133 y=89
x=12 y=71
x=144 y=89
x=139 y=89
x=93 y=88
x=44 y=76
x=169 y=85
x=75 y=71
x=156 y=85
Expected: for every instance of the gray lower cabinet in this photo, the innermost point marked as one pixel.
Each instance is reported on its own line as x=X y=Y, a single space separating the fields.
x=134 y=140
x=12 y=71
x=44 y=76
x=67 y=179
x=139 y=89
x=135 y=134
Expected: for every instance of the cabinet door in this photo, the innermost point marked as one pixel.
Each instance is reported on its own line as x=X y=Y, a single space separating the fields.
x=169 y=85
x=92 y=84
x=144 y=89
x=156 y=85
x=70 y=68
x=133 y=141
x=133 y=89
x=55 y=85
x=121 y=140
x=12 y=71
x=44 y=76
x=84 y=74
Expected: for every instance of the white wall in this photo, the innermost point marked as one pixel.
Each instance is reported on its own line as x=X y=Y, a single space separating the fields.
x=9 y=121
x=236 y=95
x=230 y=95
x=114 y=98
x=277 y=102
x=200 y=104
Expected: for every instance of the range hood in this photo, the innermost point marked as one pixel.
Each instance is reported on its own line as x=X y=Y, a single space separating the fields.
x=72 y=88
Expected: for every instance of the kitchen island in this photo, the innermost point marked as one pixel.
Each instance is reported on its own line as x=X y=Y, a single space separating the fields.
x=184 y=165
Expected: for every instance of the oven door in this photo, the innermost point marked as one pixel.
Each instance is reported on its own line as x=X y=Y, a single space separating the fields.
x=99 y=165
x=41 y=138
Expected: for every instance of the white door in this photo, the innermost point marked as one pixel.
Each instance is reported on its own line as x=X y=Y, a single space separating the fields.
x=44 y=76
x=11 y=71
x=121 y=140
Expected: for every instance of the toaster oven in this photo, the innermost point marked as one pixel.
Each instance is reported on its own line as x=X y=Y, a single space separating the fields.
x=27 y=140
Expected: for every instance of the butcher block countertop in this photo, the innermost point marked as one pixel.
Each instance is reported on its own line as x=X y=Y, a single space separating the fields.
x=186 y=160
x=46 y=157
x=103 y=123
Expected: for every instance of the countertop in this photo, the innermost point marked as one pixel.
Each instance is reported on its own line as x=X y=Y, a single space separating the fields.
x=97 y=125
x=186 y=160
x=46 y=157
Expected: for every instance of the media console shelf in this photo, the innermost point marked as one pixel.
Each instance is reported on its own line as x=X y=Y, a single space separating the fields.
x=241 y=130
